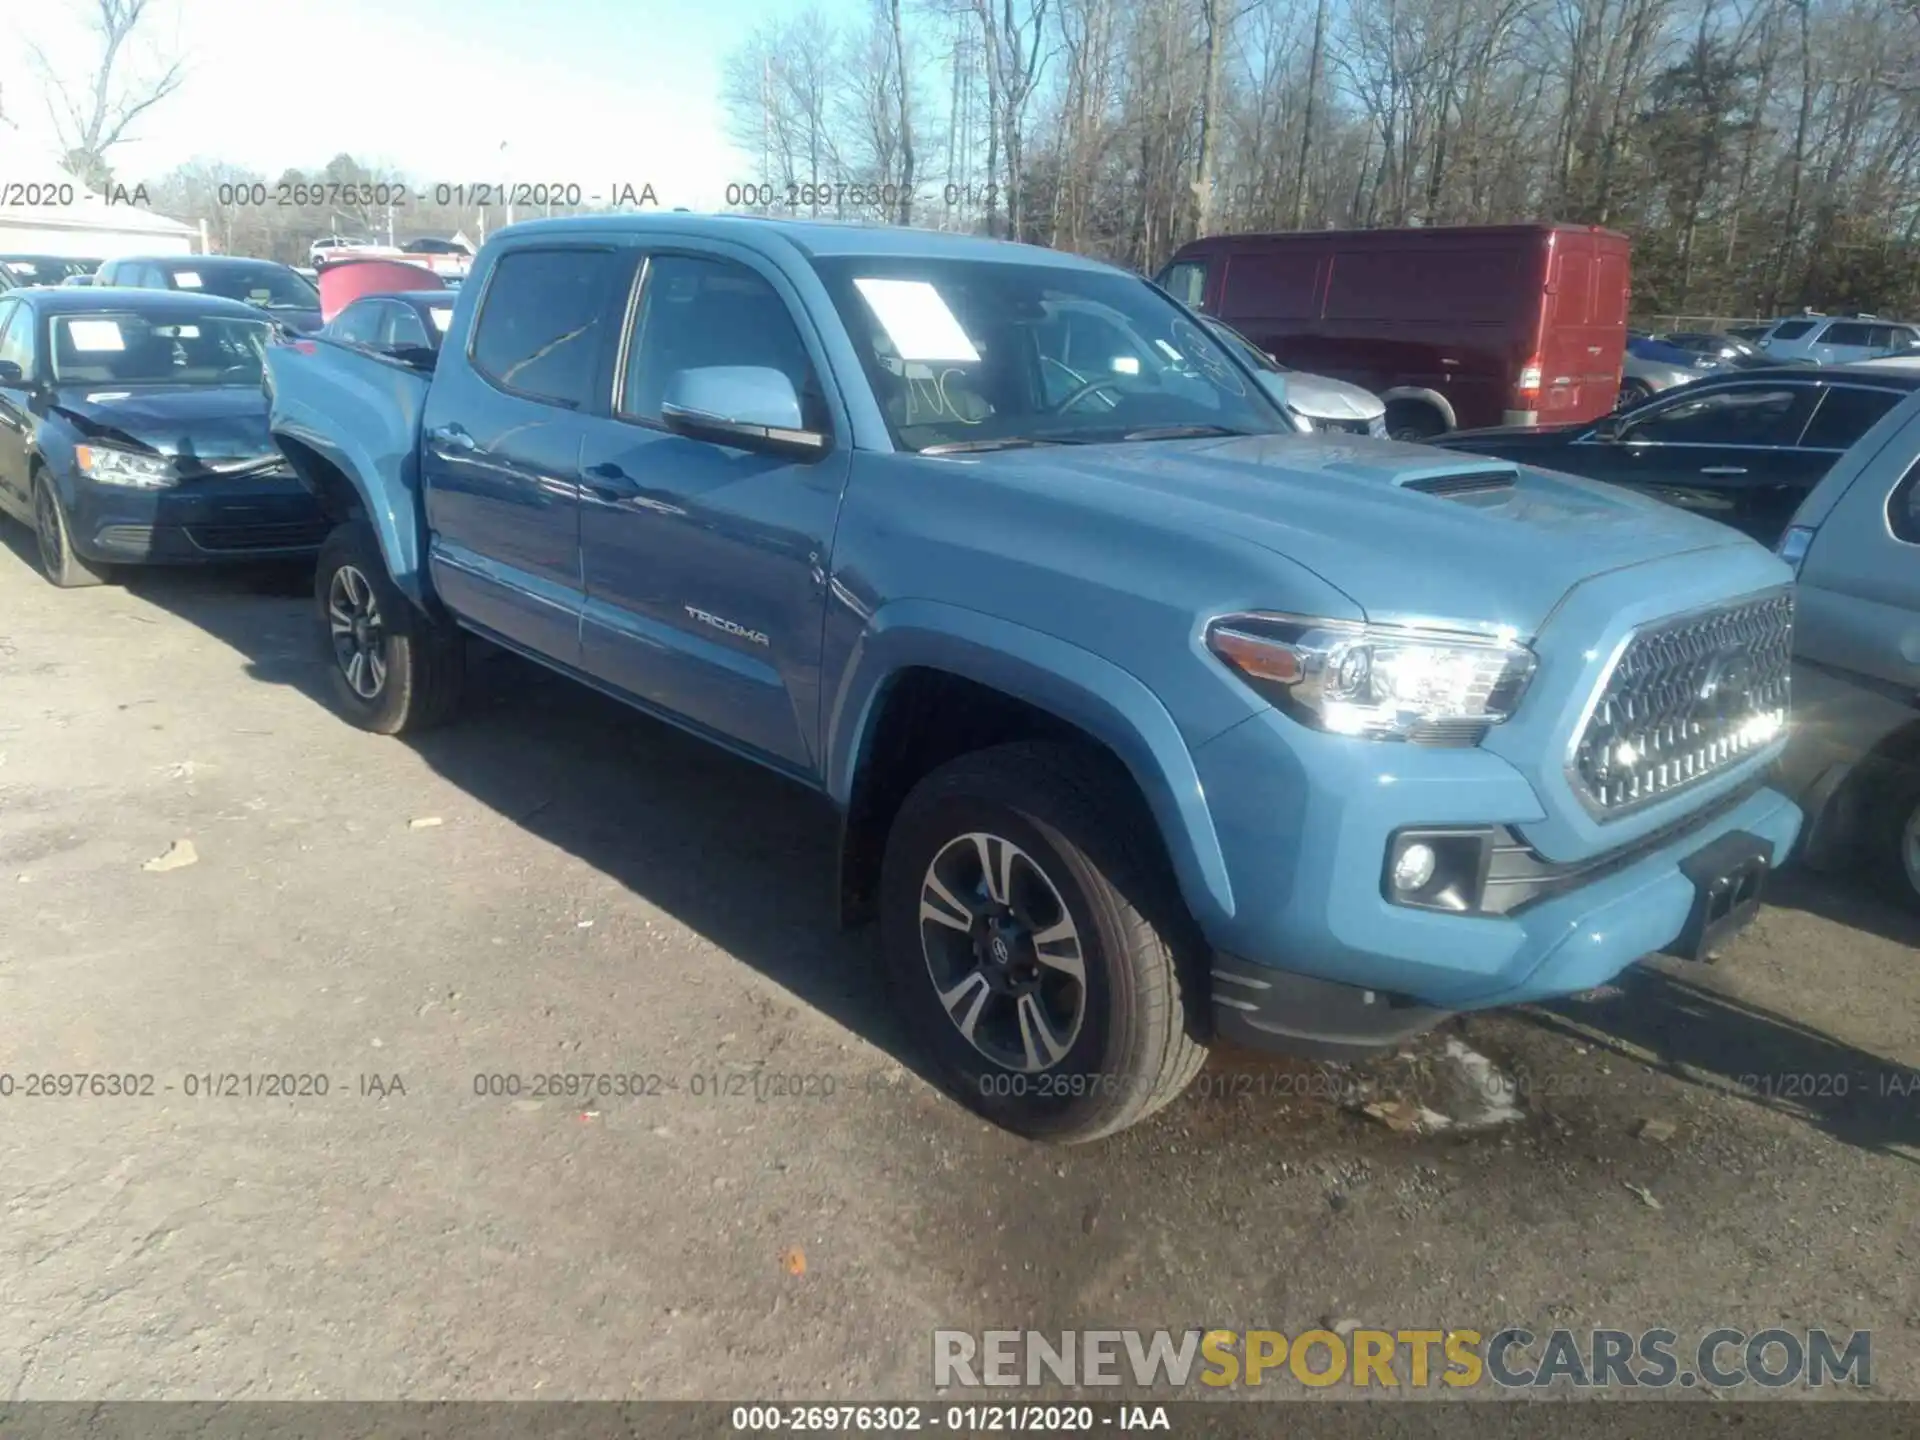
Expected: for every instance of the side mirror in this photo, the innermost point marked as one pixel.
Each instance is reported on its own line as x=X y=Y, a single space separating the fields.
x=1275 y=385
x=751 y=407
x=11 y=373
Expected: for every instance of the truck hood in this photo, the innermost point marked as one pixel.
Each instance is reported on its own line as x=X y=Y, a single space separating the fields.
x=1481 y=558
x=207 y=421
x=1321 y=398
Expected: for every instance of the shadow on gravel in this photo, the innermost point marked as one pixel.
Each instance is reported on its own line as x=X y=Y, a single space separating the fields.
x=739 y=855
x=1708 y=1038
x=1845 y=899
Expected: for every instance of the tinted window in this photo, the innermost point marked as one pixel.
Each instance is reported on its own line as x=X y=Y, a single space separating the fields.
x=540 y=331
x=1727 y=417
x=359 y=324
x=401 y=326
x=1845 y=332
x=16 y=336
x=1791 y=329
x=1845 y=415
x=700 y=312
x=1186 y=282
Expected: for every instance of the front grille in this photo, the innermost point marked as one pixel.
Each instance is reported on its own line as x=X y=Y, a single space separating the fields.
x=1686 y=699
x=297 y=535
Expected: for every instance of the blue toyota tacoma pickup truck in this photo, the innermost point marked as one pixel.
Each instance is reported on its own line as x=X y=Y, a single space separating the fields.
x=1149 y=719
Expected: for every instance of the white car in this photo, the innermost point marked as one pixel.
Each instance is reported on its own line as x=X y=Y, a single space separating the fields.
x=327 y=243
x=1827 y=340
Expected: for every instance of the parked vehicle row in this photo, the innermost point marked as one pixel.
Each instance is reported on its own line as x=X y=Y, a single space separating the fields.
x=1151 y=720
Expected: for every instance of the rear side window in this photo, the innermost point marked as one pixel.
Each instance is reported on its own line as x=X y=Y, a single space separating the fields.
x=539 y=331
x=1791 y=329
x=1846 y=414
x=1726 y=417
x=1845 y=332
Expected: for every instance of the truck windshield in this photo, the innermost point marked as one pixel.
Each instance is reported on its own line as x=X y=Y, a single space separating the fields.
x=127 y=347
x=985 y=352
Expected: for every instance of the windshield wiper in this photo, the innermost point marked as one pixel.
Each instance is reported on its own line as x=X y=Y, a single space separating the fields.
x=1182 y=432
x=1002 y=442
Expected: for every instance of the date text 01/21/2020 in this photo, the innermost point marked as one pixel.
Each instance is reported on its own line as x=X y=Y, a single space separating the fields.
x=193 y=1085
x=526 y=194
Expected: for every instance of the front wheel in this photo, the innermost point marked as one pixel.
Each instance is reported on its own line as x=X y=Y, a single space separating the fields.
x=1632 y=393
x=1035 y=945
x=394 y=668
x=59 y=562
x=1414 y=420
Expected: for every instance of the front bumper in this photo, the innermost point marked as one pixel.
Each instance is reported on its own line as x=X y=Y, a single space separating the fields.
x=254 y=517
x=1305 y=819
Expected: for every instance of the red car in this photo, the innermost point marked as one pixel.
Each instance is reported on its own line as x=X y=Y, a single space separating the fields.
x=1454 y=327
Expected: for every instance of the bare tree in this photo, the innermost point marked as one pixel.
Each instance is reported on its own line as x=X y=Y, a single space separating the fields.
x=93 y=118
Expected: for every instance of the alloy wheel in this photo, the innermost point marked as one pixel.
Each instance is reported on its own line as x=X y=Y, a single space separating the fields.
x=1910 y=849
x=359 y=636
x=1003 y=952
x=46 y=529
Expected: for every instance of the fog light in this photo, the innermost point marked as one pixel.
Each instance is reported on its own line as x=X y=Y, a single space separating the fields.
x=1413 y=868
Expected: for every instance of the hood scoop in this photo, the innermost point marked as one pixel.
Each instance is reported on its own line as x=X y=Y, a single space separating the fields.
x=1457 y=484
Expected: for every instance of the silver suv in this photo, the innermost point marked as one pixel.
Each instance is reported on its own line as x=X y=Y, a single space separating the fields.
x=1836 y=341
x=1853 y=760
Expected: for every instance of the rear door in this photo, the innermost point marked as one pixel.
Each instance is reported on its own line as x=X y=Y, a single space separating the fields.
x=17 y=323
x=1583 y=337
x=500 y=444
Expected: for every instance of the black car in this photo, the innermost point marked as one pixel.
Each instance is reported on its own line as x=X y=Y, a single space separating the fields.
x=44 y=269
x=280 y=291
x=133 y=429
x=408 y=325
x=1744 y=447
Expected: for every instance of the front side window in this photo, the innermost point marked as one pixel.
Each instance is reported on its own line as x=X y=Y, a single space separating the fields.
x=133 y=347
x=1846 y=413
x=1726 y=417
x=1186 y=282
x=987 y=352
x=696 y=312
x=1792 y=329
x=539 y=333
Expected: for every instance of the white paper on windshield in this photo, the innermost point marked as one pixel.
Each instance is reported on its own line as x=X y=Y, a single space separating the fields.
x=95 y=335
x=187 y=279
x=918 y=321
x=442 y=318
x=23 y=267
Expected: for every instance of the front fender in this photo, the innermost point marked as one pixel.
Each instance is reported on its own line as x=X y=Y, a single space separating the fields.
x=392 y=510
x=1075 y=684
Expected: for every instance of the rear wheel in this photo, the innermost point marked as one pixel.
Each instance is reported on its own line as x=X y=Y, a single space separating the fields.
x=394 y=667
x=1414 y=420
x=1632 y=392
x=54 y=537
x=1036 y=947
x=1894 y=835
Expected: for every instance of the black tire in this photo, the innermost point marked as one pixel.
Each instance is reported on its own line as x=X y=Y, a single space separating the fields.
x=53 y=538
x=1632 y=393
x=1892 y=829
x=1414 y=420
x=412 y=665
x=1133 y=1047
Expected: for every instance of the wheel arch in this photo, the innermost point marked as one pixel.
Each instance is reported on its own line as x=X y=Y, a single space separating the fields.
x=929 y=682
x=336 y=482
x=1419 y=394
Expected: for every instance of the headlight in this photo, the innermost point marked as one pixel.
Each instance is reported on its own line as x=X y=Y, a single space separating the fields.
x=125 y=467
x=1380 y=682
x=1377 y=426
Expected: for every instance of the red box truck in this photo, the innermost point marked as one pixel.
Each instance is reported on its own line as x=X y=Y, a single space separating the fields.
x=1454 y=327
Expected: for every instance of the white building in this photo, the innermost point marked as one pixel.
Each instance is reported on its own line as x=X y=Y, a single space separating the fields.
x=87 y=227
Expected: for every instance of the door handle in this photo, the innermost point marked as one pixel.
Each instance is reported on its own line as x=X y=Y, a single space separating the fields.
x=452 y=437
x=1723 y=470
x=609 y=481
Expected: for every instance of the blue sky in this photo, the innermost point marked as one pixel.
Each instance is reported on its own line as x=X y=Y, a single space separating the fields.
x=595 y=92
